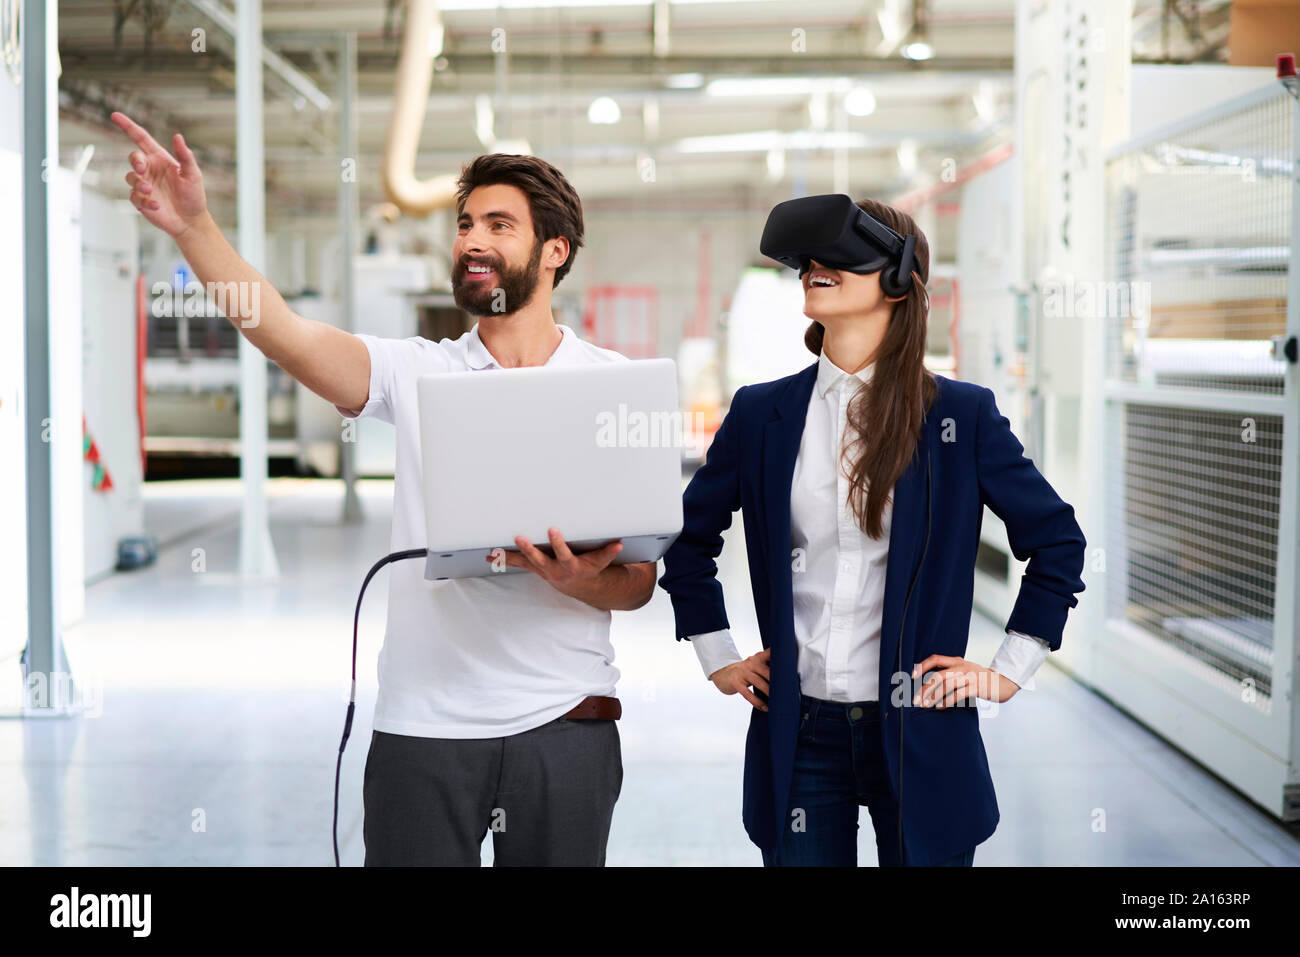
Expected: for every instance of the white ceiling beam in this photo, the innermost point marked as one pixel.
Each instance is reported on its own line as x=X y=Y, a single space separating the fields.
x=215 y=11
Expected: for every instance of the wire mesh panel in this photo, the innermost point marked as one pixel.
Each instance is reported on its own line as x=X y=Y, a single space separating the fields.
x=1199 y=236
x=1194 y=501
x=1198 y=239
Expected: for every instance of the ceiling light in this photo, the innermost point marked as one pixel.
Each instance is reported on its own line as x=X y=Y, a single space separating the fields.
x=685 y=81
x=603 y=110
x=919 y=50
x=860 y=101
x=544 y=4
x=765 y=140
x=763 y=86
x=447 y=5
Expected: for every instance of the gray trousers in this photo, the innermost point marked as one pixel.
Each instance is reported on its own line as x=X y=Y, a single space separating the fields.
x=547 y=795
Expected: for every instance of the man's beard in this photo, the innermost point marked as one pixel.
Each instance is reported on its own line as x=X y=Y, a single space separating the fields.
x=512 y=290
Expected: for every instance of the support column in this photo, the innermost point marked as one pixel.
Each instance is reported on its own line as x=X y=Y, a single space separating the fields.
x=348 y=206
x=44 y=672
x=256 y=552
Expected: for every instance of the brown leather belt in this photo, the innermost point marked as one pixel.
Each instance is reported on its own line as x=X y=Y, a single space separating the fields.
x=597 y=708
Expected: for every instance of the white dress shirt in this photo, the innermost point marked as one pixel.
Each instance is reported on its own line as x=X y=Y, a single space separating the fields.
x=472 y=657
x=839 y=571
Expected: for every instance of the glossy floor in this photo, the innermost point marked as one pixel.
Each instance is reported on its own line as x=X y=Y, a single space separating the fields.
x=214 y=710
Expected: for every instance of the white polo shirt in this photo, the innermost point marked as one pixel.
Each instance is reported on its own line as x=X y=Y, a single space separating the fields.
x=475 y=657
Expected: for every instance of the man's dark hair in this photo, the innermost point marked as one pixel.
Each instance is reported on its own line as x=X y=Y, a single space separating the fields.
x=552 y=201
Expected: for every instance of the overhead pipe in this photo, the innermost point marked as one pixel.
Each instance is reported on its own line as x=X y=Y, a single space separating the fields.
x=421 y=43
x=916 y=198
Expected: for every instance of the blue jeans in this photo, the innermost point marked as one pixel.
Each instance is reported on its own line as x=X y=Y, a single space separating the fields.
x=839 y=765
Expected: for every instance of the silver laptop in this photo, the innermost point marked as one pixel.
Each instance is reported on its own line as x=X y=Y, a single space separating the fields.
x=594 y=450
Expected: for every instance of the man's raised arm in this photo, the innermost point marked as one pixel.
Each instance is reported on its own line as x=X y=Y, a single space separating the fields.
x=168 y=191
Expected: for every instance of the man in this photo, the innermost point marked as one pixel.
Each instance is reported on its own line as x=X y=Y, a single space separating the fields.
x=495 y=706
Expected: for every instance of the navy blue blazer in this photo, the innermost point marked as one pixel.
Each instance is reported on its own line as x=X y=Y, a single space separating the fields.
x=968 y=458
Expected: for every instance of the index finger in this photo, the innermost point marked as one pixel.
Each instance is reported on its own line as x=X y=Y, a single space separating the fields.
x=138 y=133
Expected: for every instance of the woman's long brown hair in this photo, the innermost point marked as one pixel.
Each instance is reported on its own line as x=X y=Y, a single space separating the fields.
x=885 y=416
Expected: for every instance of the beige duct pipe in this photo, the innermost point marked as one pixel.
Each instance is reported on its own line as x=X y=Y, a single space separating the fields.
x=410 y=102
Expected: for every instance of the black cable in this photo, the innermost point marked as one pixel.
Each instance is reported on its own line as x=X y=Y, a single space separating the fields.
x=899 y=666
x=352 y=699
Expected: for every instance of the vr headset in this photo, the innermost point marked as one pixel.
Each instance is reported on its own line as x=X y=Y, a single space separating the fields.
x=836 y=232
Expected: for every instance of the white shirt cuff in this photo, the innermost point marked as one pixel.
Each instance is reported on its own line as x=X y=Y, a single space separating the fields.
x=715 y=650
x=1019 y=657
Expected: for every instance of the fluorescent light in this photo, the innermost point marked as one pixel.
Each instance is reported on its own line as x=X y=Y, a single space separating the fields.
x=763 y=86
x=685 y=81
x=603 y=111
x=732 y=142
x=450 y=5
x=860 y=101
x=918 y=51
x=446 y=5
x=762 y=141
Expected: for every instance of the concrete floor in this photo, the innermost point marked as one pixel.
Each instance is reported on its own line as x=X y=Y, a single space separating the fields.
x=215 y=709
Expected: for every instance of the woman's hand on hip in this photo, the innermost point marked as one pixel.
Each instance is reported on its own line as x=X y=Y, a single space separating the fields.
x=956 y=680
x=739 y=678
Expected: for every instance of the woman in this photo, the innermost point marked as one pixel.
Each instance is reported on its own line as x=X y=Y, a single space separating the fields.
x=862 y=694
